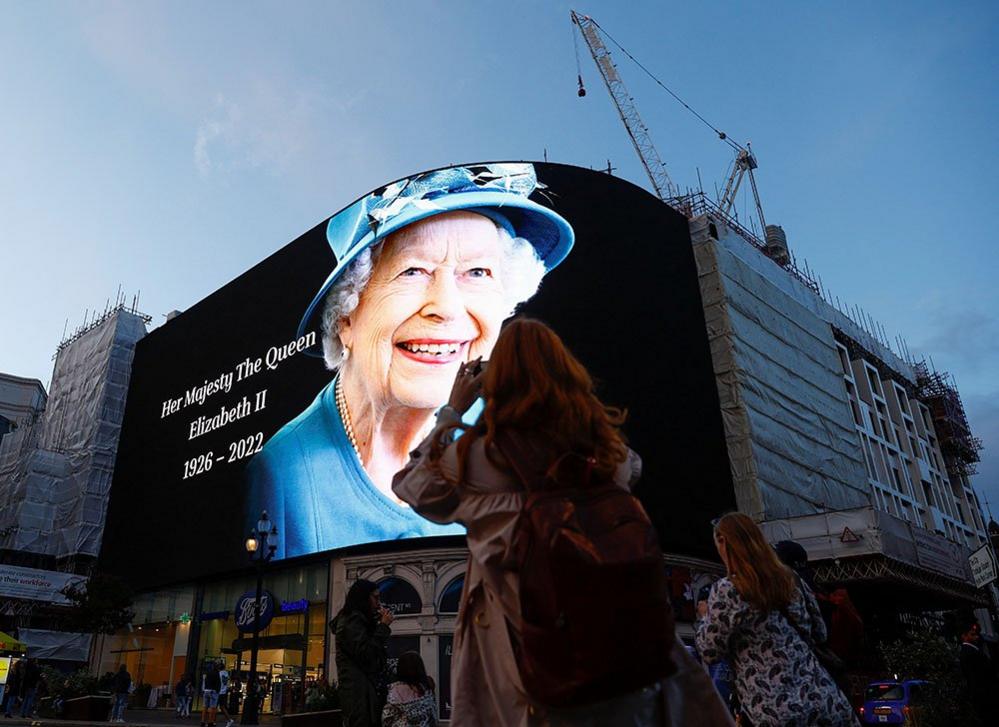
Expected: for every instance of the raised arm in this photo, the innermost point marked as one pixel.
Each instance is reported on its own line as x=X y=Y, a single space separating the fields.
x=423 y=485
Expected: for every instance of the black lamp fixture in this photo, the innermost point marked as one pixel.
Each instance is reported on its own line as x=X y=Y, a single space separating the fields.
x=260 y=551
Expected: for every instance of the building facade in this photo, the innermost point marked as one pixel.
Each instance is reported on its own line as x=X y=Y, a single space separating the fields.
x=835 y=440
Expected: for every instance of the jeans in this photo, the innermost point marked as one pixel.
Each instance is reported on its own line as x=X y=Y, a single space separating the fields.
x=28 y=706
x=184 y=706
x=118 y=711
x=10 y=703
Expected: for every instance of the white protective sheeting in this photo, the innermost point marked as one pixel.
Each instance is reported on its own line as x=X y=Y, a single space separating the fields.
x=54 y=483
x=866 y=531
x=62 y=645
x=792 y=443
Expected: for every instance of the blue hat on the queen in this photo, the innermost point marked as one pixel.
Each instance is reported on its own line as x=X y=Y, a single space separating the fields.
x=498 y=191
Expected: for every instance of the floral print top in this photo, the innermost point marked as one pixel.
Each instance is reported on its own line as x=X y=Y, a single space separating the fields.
x=778 y=680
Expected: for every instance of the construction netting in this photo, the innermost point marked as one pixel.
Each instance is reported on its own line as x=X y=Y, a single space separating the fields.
x=792 y=442
x=55 y=476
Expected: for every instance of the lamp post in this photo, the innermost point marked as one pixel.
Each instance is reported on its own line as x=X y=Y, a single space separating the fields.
x=260 y=553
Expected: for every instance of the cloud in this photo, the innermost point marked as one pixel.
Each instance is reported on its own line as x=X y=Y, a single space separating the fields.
x=264 y=128
x=969 y=339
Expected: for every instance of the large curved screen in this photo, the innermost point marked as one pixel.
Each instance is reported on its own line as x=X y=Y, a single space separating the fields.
x=299 y=388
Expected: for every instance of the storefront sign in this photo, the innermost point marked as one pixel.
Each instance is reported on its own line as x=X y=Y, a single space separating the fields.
x=4 y=668
x=246 y=612
x=300 y=606
x=983 y=566
x=35 y=585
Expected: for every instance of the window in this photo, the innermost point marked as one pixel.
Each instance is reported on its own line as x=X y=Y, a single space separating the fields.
x=451 y=598
x=399 y=596
x=872 y=377
x=884 y=693
x=844 y=360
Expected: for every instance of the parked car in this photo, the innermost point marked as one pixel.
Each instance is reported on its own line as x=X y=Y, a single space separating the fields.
x=893 y=702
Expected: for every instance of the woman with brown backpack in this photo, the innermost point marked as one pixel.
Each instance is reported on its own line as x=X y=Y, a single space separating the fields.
x=564 y=616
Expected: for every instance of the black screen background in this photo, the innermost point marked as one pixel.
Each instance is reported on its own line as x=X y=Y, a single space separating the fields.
x=626 y=301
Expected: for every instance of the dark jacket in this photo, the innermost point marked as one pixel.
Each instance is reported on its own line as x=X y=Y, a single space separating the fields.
x=32 y=674
x=122 y=681
x=361 y=654
x=979 y=676
x=15 y=678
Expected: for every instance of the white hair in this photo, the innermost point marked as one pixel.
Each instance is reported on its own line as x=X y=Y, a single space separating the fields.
x=521 y=273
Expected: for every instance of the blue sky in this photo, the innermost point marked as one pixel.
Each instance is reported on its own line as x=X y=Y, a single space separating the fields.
x=168 y=147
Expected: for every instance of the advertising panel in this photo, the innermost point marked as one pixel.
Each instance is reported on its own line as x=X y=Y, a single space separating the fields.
x=300 y=387
x=34 y=584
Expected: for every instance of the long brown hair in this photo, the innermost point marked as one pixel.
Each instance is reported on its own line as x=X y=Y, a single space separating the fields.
x=535 y=386
x=753 y=567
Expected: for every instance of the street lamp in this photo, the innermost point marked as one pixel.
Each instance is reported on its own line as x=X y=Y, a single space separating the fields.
x=260 y=552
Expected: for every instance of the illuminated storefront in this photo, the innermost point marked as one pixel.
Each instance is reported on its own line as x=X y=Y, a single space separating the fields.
x=154 y=647
x=292 y=646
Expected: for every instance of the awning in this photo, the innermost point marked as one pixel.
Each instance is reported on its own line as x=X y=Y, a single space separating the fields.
x=10 y=646
x=63 y=645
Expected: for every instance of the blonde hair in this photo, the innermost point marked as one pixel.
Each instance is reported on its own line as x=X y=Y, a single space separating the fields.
x=753 y=567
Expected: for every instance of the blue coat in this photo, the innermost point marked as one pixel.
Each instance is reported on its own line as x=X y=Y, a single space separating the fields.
x=315 y=490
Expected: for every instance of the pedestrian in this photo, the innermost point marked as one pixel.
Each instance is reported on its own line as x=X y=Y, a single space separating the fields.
x=29 y=687
x=978 y=671
x=361 y=631
x=12 y=693
x=211 y=684
x=185 y=694
x=543 y=427
x=224 y=693
x=411 y=700
x=765 y=622
x=121 y=686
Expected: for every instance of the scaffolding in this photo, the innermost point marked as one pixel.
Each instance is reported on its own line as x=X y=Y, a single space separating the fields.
x=55 y=476
x=960 y=447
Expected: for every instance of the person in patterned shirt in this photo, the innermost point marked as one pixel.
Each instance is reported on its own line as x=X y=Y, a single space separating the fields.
x=764 y=621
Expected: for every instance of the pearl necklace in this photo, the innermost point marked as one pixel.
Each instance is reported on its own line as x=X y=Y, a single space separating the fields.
x=341 y=407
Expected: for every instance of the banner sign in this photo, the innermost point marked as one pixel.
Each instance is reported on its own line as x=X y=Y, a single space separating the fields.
x=245 y=611
x=35 y=585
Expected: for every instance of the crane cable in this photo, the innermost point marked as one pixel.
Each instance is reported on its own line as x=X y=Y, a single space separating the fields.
x=721 y=134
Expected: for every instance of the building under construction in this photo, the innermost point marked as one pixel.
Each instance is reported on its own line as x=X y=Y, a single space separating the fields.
x=56 y=465
x=855 y=450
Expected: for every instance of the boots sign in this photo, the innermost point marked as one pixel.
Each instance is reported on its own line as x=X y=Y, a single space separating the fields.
x=245 y=610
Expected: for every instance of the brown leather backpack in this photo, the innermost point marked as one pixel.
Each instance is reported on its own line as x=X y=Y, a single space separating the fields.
x=596 y=616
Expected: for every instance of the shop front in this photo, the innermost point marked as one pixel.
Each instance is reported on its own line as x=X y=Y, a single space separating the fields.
x=292 y=640
x=154 y=646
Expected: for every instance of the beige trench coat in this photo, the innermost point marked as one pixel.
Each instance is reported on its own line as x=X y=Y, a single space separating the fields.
x=486 y=688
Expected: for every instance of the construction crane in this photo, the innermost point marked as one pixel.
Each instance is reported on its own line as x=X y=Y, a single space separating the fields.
x=744 y=163
x=636 y=129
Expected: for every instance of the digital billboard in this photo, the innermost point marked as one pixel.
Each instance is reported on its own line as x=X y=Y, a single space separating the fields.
x=300 y=387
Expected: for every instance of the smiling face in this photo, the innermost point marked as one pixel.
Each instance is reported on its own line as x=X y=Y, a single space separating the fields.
x=435 y=300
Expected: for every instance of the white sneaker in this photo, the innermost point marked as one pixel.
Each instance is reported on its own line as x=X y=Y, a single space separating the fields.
x=229 y=723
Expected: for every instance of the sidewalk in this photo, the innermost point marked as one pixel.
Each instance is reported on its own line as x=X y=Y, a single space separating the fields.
x=139 y=718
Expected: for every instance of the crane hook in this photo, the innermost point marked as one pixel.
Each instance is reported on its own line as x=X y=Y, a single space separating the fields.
x=582 y=89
